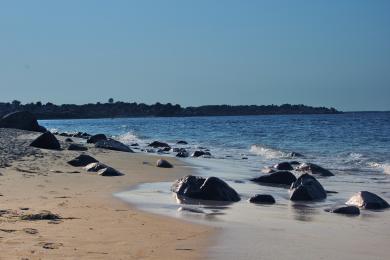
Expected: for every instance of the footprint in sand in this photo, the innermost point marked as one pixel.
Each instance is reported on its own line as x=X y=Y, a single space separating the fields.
x=50 y=245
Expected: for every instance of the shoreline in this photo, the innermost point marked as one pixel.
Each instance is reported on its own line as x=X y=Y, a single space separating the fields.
x=95 y=224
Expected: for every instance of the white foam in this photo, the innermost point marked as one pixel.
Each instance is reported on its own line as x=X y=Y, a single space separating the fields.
x=266 y=152
x=129 y=138
x=385 y=167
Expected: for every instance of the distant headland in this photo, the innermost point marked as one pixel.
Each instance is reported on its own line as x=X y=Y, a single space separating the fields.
x=113 y=109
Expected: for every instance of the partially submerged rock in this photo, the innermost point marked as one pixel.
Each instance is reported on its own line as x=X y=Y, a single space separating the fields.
x=182 y=154
x=96 y=138
x=109 y=172
x=158 y=144
x=367 y=200
x=314 y=169
x=182 y=142
x=307 y=188
x=46 y=141
x=283 y=166
x=262 y=199
x=77 y=147
x=200 y=153
x=279 y=178
x=23 y=120
x=164 y=164
x=82 y=160
x=69 y=140
x=347 y=210
x=112 y=144
x=211 y=188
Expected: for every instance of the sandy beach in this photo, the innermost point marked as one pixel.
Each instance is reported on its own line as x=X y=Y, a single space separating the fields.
x=93 y=224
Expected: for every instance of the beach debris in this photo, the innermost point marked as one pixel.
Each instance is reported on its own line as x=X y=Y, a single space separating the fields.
x=307 y=188
x=367 y=200
x=181 y=142
x=163 y=164
x=157 y=144
x=43 y=215
x=23 y=120
x=283 y=166
x=211 y=188
x=278 y=178
x=77 y=147
x=95 y=167
x=262 y=199
x=200 y=153
x=96 y=138
x=46 y=141
x=314 y=169
x=82 y=160
x=112 y=144
x=347 y=210
x=109 y=172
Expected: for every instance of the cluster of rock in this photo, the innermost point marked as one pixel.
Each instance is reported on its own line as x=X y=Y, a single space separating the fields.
x=90 y=164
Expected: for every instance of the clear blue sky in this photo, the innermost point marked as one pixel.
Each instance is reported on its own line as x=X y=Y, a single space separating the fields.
x=328 y=53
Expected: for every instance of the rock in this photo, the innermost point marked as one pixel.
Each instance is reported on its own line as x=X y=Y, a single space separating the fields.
x=211 y=188
x=77 y=147
x=283 y=166
x=181 y=142
x=112 y=144
x=46 y=141
x=367 y=200
x=69 y=140
x=314 y=169
x=182 y=154
x=279 y=177
x=295 y=163
x=65 y=134
x=95 y=138
x=95 y=167
x=82 y=160
x=21 y=120
x=164 y=164
x=306 y=187
x=109 y=172
x=166 y=149
x=295 y=154
x=348 y=210
x=157 y=144
x=262 y=199
x=200 y=153
x=134 y=144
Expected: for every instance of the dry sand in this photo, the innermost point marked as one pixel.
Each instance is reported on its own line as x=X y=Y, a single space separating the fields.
x=95 y=225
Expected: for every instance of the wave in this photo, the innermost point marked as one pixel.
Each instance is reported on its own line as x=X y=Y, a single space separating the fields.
x=129 y=138
x=267 y=152
x=385 y=167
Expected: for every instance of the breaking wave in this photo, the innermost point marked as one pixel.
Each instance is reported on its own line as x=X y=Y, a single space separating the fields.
x=267 y=152
x=385 y=167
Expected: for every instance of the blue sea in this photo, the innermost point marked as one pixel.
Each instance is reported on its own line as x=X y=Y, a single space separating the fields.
x=354 y=146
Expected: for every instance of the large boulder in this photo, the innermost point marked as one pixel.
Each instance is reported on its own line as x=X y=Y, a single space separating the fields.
x=21 y=120
x=82 y=160
x=283 y=166
x=314 y=169
x=96 y=138
x=112 y=144
x=46 y=141
x=262 y=199
x=367 y=200
x=278 y=178
x=307 y=188
x=109 y=172
x=157 y=144
x=77 y=147
x=164 y=164
x=347 y=210
x=211 y=188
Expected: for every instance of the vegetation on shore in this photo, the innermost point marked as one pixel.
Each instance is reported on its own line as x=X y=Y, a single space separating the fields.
x=122 y=109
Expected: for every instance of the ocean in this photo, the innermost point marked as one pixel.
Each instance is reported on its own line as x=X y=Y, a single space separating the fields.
x=354 y=146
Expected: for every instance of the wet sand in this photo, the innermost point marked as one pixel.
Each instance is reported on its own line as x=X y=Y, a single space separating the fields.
x=93 y=224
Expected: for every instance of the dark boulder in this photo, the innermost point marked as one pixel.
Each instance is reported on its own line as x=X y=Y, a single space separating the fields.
x=279 y=178
x=314 y=169
x=367 y=200
x=95 y=167
x=211 y=188
x=96 y=138
x=69 y=140
x=283 y=166
x=200 y=153
x=82 y=160
x=295 y=154
x=182 y=154
x=157 y=144
x=164 y=164
x=109 y=172
x=262 y=199
x=182 y=142
x=21 y=120
x=347 y=210
x=46 y=141
x=77 y=147
x=134 y=144
x=112 y=144
x=307 y=188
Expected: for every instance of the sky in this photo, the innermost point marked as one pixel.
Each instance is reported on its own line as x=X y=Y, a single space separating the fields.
x=321 y=53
